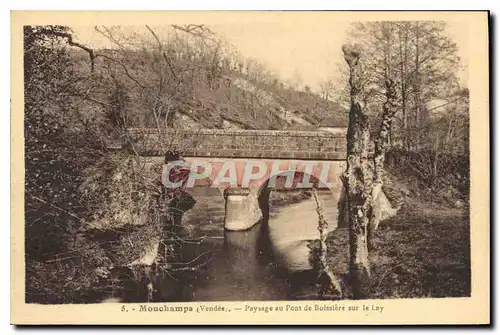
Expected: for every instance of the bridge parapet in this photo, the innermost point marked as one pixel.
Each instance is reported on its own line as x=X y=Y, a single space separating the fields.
x=315 y=145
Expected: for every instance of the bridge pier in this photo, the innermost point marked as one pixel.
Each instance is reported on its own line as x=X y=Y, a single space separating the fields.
x=242 y=208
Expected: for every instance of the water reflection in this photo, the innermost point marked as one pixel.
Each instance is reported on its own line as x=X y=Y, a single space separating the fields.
x=237 y=272
x=267 y=262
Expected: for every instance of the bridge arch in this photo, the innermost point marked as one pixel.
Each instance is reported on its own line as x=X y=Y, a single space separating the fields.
x=247 y=207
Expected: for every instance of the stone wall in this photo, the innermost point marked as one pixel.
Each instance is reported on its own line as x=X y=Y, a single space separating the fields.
x=315 y=145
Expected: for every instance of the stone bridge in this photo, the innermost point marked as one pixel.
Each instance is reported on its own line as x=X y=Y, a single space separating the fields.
x=247 y=164
x=220 y=143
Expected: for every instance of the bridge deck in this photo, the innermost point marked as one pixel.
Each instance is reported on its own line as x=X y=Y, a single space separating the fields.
x=307 y=145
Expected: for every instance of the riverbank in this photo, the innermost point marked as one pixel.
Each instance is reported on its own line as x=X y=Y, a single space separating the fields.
x=422 y=252
x=283 y=198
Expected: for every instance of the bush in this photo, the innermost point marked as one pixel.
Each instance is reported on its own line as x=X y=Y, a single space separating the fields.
x=432 y=169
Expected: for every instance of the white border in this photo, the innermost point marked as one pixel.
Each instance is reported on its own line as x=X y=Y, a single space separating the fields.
x=193 y=4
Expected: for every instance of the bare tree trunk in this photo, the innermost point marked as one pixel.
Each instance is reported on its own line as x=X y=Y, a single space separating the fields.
x=381 y=146
x=417 y=101
x=331 y=282
x=357 y=179
x=363 y=183
x=403 y=55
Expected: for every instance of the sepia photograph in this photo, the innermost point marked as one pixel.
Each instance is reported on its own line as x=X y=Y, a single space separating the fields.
x=251 y=163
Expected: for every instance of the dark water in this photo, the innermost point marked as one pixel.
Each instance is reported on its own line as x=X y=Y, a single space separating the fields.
x=266 y=262
x=237 y=270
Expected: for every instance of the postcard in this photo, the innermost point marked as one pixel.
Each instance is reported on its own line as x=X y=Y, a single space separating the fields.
x=250 y=168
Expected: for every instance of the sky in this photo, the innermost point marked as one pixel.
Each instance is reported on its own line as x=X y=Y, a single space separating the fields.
x=309 y=50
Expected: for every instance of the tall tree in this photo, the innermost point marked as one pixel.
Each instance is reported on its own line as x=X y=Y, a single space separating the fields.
x=326 y=88
x=363 y=178
x=422 y=60
x=357 y=178
x=409 y=66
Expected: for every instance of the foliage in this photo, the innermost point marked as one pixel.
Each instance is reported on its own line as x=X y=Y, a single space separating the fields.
x=74 y=185
x=53 y=162
x=55 y=157
x=441 y=176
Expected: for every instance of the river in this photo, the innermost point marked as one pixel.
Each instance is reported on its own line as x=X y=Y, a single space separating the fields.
x=266 y=262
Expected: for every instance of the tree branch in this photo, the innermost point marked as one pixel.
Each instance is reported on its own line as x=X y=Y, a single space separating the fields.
x=163 y=53
x=197 y=30
x=124 y=68
x=72 y=43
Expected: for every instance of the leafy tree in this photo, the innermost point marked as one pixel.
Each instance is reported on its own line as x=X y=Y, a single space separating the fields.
x=52 y=167
x=58 y=150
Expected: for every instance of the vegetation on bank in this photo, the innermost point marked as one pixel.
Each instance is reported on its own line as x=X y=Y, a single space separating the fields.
x=423 y=252
x=394 y=68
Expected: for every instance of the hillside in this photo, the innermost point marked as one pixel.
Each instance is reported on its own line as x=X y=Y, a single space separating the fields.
x=190 y=95
x=247 y=105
